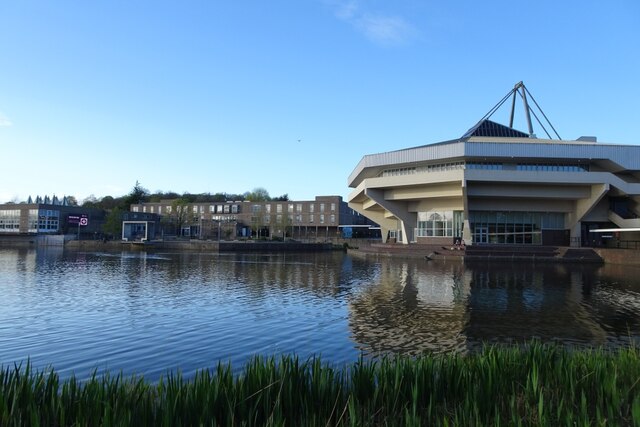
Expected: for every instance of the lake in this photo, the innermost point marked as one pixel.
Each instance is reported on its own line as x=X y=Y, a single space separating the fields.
x=147 y=313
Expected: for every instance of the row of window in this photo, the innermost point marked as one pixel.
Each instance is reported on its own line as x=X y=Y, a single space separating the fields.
x=440 y=224
x=295 y=219
x=440 y=167
x=542 y=167
x=550 y=167
x=10 y=213
x=38 y=221
x=9 y=225
x=234 y=209
x=536 y=220
x=46 y=220
x=10 y=220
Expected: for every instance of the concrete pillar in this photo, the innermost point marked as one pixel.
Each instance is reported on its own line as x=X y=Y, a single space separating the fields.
x=408 y=220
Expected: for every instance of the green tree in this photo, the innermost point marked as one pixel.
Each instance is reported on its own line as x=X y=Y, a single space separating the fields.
x=137 y=195
x=108 y=203
x=90 y=201
x=180 y=213
x=258 y=194
x=113 y=223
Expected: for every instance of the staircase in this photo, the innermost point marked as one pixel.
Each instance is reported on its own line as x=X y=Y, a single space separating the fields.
x=512 y=253
x=531 y=253
x=582 y=255
x=624 y=222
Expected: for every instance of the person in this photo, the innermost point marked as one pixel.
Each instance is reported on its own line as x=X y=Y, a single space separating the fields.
x=457 y=245
x=462 y=246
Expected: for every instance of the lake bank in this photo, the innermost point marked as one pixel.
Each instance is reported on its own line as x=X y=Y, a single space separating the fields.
x=488 y=253
x=533 y=384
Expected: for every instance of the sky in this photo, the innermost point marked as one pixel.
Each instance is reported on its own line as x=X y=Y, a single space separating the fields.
x=288 y=95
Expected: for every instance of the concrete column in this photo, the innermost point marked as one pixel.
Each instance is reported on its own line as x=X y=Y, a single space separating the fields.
x=408 y=220
x=584 y=206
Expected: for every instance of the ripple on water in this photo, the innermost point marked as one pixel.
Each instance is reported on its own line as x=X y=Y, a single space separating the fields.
x=149 y=313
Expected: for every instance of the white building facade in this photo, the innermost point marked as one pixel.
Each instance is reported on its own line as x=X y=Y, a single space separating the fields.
x=497 y=185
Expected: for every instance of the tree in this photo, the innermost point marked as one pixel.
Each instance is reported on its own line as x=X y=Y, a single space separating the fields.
x=180 y=213
x=108 y=202
x=137 y=195
x=113 y=223
x=258 y=194
x=283 y=198
x=72 y=201
x=90 y=201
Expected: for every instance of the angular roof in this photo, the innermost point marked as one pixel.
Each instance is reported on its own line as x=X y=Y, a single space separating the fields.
x=487 y=127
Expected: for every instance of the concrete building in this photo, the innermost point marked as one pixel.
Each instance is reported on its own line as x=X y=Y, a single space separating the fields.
x=324 y=218
x=49 y=216
x=137 y=226
x=498 y=185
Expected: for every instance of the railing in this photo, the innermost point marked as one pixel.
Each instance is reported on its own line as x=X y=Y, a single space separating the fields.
x=628 y=244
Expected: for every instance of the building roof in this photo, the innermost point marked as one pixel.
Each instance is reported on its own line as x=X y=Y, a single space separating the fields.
x=487 y=127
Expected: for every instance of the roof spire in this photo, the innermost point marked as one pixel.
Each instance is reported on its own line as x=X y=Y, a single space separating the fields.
x=518 y=89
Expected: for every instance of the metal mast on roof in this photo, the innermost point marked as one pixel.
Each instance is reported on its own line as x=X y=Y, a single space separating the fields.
x=521 y=89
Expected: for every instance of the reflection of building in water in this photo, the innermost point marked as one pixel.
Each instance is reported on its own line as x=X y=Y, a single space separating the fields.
x=520 y=302
x=410 y=308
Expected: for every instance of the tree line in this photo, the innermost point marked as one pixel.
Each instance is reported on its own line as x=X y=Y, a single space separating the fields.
x=115 y=206
x=139 y=194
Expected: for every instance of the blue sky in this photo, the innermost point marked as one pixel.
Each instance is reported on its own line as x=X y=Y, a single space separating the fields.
x=226 y=96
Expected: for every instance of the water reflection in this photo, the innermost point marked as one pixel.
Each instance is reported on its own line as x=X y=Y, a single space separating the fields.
x=412 y=307
x=415 y=306
x=148 y=312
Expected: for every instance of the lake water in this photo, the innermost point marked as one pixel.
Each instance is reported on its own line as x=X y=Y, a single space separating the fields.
x=148 y=313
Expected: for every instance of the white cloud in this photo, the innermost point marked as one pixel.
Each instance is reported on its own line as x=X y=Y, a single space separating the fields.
x=346 y=10
x=385 y=30
x=4 y=120
x=382 y=29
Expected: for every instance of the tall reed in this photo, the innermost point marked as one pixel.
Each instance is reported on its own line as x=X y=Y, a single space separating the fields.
x=532 y=385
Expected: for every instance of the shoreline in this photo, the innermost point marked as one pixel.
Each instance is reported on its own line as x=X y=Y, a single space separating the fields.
x=355 y=247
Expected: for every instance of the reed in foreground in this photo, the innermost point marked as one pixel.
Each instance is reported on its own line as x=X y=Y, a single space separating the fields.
x=533 y=385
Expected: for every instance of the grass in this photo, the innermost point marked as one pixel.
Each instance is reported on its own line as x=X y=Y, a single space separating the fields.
x=515 y=386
